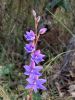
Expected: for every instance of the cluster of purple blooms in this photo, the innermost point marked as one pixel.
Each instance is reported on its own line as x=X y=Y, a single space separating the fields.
x=33 y=69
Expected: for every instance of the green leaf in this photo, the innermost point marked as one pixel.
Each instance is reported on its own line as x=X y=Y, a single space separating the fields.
x=1 y=98
x=6 y=70
x=60 y=3
x=36 y=96
x=66 y=5
x=54 y=3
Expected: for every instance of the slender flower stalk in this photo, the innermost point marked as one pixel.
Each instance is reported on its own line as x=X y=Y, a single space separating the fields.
x=33 y=69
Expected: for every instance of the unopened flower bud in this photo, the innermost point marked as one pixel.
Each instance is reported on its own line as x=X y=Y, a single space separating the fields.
x=38 y=18
x=34 y=13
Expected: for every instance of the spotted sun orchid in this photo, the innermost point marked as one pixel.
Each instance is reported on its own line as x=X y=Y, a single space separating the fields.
x=30 y=36
x=37 y=56
x=35 y=83
x=33 y=69
x=30 y=47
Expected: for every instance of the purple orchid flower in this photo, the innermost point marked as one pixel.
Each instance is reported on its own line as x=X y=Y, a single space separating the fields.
x=29 y=35
x=35 y=83
x=29 y=47
x=32 y=69
x=37 y=56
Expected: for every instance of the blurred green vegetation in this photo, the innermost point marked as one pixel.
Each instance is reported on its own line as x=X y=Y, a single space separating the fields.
x=15 y=19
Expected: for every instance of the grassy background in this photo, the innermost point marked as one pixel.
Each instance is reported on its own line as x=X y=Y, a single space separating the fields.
x=15 y=19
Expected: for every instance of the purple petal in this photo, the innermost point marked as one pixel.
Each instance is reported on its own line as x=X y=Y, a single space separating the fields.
x=43 y=30
x=37 y=52
x=27 y=32
x=32 y=32
x=30 y=36
x=30 y=80
x=26 y=73
x=36 y=73
x=42 y=55
x=35 y=88
x=38 y=68
x=33 y=77
x=42 y=87
x=37 y=56
x=27 y=68
x=29 y=86
x=42 y=81
x=38 y=60
x=32 y=64
x=29 y=47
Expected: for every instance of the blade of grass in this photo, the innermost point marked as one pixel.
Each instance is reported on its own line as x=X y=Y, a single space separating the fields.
x=53 y=59
x=61 y=23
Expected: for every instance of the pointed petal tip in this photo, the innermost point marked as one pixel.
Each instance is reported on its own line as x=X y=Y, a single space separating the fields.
x=34 y=13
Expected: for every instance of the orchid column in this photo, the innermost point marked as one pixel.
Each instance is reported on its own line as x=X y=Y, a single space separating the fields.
x=34 y=68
